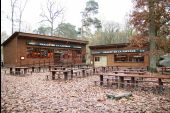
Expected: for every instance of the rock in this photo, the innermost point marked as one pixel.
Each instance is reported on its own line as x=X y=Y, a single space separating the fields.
x=119 y=96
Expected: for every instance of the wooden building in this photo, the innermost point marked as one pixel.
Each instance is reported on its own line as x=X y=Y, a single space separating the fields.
x=22 y=49
x=118 y=55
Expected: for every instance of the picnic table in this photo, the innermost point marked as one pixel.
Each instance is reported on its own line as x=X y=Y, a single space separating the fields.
x=52 y=66
x=37 y=68
x=164 y=69
x=59 y=68
x=121 y=78
x=134 y=72
x=120 y=71
x=19 y=69
x=65 y=72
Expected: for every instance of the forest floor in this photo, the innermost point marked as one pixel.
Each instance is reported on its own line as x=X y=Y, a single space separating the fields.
x=34 y=94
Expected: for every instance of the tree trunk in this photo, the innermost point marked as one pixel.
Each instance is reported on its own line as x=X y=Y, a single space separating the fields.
x=152 y=34
x=51 y=28
x=20 y=22
x=82 y=35
x=12 y=19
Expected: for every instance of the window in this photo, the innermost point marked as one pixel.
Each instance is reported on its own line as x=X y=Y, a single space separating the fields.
x=136 y=58
x=39 y=52
x=128 y=58
x=97 y=59
x=120 y=58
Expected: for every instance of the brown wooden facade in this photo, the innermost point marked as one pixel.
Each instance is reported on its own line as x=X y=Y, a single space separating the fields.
x=29 y=49
x=119 y=55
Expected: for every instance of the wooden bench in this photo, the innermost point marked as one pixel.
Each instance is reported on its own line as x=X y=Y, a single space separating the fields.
x=162 y=70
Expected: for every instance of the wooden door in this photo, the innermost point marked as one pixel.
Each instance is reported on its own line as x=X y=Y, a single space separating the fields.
x=57 y=58
x=100 y=61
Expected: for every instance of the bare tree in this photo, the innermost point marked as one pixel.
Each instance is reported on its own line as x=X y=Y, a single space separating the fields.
x=53 y=11
x=21 y=8
x=13 y=5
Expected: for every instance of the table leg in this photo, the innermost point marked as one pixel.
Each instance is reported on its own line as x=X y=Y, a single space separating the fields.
x=160 y=82
x=116 y=81
x=93 y=70
x=83 y=72
x=133 y=81
x=32 y=69
x=53 y=75
x=17 y=71
x=101 y=80
x=160 y=88
x=65 y=75
x=49 y=68
x=121 y=81
x=71 y=74
x=39 y=69
x=25 y=71
x=10 y=69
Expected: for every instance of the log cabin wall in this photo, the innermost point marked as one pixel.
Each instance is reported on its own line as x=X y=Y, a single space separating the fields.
x=10 y=53
x=23 y=52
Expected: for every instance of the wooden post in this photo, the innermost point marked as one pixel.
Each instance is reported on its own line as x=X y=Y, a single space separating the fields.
x=101 y=80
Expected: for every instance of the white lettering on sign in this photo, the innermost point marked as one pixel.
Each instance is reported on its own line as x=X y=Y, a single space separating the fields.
x=119 y=51
x=53 y=45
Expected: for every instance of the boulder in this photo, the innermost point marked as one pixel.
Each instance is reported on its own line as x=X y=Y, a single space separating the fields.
x=119 y=96
x=166 y=61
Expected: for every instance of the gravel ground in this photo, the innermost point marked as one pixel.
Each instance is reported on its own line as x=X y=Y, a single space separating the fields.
x=35 y=94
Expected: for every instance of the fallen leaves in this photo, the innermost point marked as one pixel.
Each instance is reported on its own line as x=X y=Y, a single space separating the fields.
x=34 y=94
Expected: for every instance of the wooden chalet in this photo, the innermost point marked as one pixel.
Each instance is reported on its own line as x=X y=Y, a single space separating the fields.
x=22 y=49
x=119 y=55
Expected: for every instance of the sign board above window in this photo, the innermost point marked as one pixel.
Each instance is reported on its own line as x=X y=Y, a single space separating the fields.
x=52 y=45
x=119 y=51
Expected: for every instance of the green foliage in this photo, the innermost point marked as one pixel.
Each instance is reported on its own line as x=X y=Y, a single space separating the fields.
x=43 y=30
x=66 y=30
x=92 y=7
x=89 y=19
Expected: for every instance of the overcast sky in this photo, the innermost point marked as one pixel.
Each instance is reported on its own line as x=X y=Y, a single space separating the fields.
x=109 y=10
